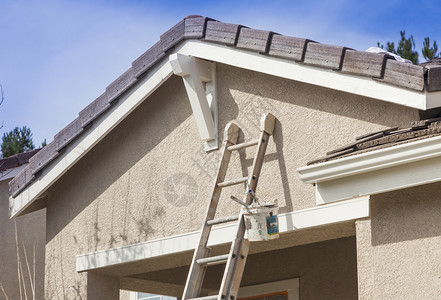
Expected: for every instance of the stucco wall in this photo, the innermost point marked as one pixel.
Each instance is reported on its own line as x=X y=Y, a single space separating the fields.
x=30 y=233
x=398 y=248
x=326 y=270
x=150 y=177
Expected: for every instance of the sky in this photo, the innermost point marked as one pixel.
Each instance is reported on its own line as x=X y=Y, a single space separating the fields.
x=57 y=56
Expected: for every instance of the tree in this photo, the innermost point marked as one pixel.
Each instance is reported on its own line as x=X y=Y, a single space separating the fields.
x=429 y=53
x=16 y=141
x=405 y=49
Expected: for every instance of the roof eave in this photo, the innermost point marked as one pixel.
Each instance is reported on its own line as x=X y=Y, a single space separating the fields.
x=132 y=96
x=397 y=167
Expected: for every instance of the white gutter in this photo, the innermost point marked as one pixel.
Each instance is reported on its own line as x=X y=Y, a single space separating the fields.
x=302 y=219
x=379 y=171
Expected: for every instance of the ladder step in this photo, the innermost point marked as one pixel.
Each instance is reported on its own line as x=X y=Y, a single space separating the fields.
x=223 y=220
x=232 y=182
x=213 y=260
x=214 y=297
x=243 y=145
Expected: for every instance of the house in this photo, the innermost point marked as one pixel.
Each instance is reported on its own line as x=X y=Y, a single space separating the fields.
x=126 y=184
x=22 y=239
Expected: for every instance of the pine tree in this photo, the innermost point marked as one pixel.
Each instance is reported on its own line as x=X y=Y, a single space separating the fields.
x=406 y=48
x=429 y=53
x=16 y=141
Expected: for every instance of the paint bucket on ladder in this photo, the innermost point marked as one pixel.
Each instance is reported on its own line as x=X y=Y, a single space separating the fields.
x=261 y=221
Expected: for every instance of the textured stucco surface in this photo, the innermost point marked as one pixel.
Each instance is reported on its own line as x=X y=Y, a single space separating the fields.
x=31 y=234
x=398 y=248
x=150 y=177
x=327 y=270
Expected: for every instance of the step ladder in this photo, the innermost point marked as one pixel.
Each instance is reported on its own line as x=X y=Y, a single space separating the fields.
x=235 y=260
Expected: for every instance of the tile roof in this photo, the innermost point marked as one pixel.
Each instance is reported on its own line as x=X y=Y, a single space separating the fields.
x=389 y=137
x=374 y=65
x=16 y=160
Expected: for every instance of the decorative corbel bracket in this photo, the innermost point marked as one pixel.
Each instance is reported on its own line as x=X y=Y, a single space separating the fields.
x=200 y=82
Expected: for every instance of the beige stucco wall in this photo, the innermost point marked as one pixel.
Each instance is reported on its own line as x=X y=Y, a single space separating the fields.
x=150 y=177
x=30 y=235
x=399 y=247
x=326 y=270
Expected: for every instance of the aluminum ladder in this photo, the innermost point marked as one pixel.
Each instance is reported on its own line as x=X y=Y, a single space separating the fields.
x=236 y=259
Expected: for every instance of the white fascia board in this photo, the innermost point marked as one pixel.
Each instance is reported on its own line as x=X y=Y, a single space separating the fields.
x=98 y=130
x=302 y=219
x=359 y=85
x=372 y=161
x=433 y=100
x=379 y=171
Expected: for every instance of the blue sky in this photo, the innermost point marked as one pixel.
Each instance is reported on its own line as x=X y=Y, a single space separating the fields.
x=58 y=56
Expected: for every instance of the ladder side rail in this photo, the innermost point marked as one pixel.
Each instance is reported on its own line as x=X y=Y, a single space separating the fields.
x=196 y=273
x=230 y=287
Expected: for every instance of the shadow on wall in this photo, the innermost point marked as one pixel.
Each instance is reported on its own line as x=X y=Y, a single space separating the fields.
x=321 y=98
x=320 y=276
x=128 y=142
x=406 y=215
x=278 y=155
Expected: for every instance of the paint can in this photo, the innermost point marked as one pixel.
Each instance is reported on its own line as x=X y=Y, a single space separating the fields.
x=261 y=221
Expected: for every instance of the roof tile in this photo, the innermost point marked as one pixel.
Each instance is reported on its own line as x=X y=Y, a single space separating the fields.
x=173 y=36
x=325 y=56
x=23 y=158
x=16 y=160
x=93 y=110
x=363 y=63
x=224 y=33
x=120 y=85
x=195 y=27
x=8 y=163
x=404 y=75
x=67 y=134
x=43 y=157
x=147 y=59
x=19 y=182
x=434 y=78
x=253 y=39
x=287 y=47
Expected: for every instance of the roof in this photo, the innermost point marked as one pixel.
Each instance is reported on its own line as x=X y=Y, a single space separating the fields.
x=378 y=67
x=389 y=137
x=16 y=160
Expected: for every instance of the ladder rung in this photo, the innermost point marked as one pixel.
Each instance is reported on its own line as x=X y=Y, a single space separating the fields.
x=206 y=298
x=214 y=259
x=243 y=145
x=224 y=220
x=232 y=182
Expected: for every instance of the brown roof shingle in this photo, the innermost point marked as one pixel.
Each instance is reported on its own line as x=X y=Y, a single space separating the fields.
x=16 y=160
x=389 y=137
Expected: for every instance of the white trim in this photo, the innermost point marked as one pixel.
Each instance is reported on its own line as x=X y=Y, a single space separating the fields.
x=196 y=72
x=302 y=219
x=379 y=171
x=359 y=85
x=11 y=173
x=371 y=161
x=292 y=286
